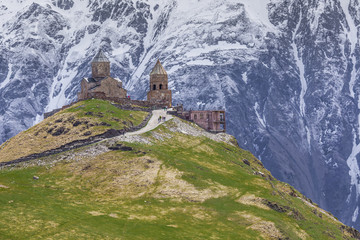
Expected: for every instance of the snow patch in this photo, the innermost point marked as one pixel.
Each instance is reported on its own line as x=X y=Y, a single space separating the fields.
x=261 y=120
x=38 y=119
x=221 y=46
x=308 y=135
x=352 y=162
x=203 y=62
x=8 y=77
x=301 y=68
x=258 y=12
x=244 y=77
x=352 y=36
x=355 y=215
x=66 y=75
x=230 y=85
x=353 y=165
x=173 y=69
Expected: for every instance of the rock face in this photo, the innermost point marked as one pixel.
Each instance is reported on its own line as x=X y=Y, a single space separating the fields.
x=286 y=72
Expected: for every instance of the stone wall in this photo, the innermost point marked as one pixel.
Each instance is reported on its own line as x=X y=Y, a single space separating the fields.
x=85 y=86
x=129 y=102
x=100 y=69
x=160 y=97
x=157 y=80
x=110 y=87
x=159 y=92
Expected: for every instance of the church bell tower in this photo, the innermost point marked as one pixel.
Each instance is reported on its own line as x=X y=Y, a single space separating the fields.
x=100 y=66
x=159 y=93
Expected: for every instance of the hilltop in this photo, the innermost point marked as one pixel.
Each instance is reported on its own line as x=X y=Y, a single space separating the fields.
x=175 y=181
x=83 y=120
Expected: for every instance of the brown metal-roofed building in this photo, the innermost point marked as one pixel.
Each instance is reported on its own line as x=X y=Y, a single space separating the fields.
x=211 y=120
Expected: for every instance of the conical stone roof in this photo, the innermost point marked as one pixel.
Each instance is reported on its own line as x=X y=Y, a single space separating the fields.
x=158 y=69
x=100 y=57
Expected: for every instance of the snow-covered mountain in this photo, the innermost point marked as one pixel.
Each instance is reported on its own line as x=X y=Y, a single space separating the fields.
x=287 y=72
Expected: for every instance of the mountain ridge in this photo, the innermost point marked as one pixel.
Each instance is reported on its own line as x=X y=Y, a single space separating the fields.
x=151 y=185
x=284 y=71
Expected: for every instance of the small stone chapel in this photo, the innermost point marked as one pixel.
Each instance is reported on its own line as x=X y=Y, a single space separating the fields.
x=101 y=84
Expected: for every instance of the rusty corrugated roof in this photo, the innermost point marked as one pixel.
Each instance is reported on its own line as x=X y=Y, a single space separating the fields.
x=100 y=57
x=158 y=69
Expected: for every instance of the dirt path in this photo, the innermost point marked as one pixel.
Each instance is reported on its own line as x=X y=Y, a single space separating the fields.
x=153 y=122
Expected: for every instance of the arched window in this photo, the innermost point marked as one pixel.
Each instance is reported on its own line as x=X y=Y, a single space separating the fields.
x=160 y=86
x=222 y=118
x=154 y=87
x=166 y=87
x=195 y=116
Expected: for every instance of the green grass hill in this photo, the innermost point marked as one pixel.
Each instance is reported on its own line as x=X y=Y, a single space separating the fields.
x=174 y=182
x=81 y=121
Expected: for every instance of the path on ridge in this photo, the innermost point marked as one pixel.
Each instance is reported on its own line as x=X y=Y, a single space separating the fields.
x=153 y=122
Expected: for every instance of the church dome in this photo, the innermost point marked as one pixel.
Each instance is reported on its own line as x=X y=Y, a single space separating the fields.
x=100 y=57
x=158 y=69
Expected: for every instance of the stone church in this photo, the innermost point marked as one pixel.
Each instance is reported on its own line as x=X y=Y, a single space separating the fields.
x=101 y=84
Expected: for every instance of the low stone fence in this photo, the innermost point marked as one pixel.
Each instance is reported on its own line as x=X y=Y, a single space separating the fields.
x=132 y=107
x=79 y=143
x=127 y=101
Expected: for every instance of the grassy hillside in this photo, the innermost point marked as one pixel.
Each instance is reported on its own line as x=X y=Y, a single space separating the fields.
x=81 y=121
x=175 y=182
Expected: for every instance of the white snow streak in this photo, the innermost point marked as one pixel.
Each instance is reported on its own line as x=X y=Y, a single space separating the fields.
x=354 y=171
x=261 y=120
x=352 y=35
x=244 y=77
x=355 y=215
x=308 y=135
x=8 y=77
x=222 y=46
x=352 y=162
x=301 y=67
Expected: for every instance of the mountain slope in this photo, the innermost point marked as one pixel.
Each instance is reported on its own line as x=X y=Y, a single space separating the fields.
x=286 y=72
x=177 y=181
